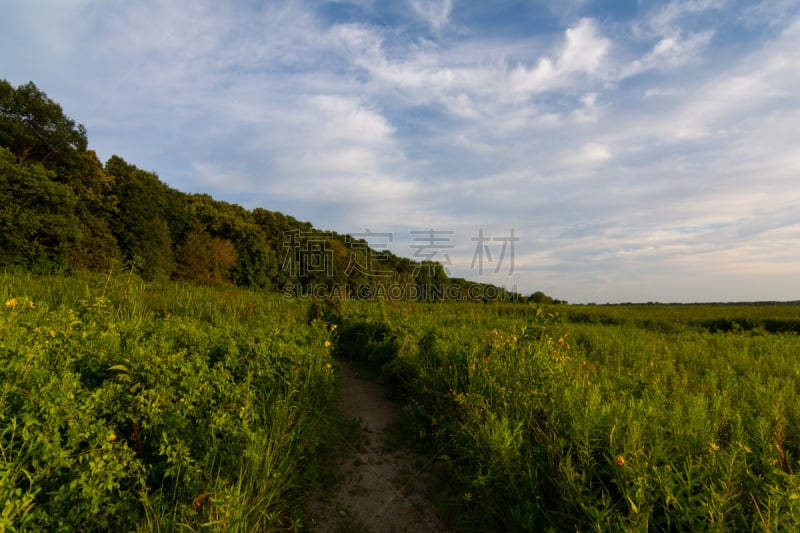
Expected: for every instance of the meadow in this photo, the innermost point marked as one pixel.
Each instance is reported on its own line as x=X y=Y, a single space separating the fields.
x=156 y=407
x=128 y=405
x=595 y=418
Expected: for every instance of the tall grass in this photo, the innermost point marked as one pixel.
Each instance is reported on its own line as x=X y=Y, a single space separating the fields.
x=163 y=405
x=550 y=425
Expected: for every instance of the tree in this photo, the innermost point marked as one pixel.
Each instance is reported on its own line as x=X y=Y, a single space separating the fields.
x=141 y=227
x=206 y=259
x=540 y=298
x=38 y=225
x=96 y=248
x=40 y=138
x=34 y=128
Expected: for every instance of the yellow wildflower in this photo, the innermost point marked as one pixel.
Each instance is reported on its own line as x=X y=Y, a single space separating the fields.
x=328 y=344
x=328 y=366
x=11 y=302
x=52 y=333
x=714 y=447
x=620 y=460
x=112 y=437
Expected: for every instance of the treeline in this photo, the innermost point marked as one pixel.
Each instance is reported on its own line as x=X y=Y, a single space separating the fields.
x=65 y=211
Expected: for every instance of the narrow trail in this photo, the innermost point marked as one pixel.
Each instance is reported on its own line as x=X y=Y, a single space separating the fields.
x=380 y=487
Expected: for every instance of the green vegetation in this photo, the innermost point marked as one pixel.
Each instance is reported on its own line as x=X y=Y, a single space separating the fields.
x=63 y=211
x=160 y=405
x=577 y=418
x=156 y=407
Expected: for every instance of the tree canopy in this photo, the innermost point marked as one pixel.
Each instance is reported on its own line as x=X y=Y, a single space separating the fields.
x=63 y=210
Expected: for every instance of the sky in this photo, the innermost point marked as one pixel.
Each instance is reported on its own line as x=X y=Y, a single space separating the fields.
x=599 y=151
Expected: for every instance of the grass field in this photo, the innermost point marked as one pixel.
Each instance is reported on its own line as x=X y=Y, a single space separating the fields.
x=599 y=418
x=169 y=406
x=156 y=407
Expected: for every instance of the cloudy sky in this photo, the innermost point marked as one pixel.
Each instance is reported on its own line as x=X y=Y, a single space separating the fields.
x=637 y=150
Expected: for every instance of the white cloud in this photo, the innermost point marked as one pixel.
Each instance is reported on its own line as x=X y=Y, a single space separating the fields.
x=589 y=112
x=668 y=18
x=583 y=53
x=585 y=48
x=669 y=53
x=631 y=164
x=344 y=121
x=435 y=13
x=589 y=154
x=748 y=88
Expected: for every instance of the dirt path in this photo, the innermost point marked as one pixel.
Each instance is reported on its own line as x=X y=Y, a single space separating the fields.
x=380 y=488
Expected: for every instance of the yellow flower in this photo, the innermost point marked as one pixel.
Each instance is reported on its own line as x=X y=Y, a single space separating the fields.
x=714 y=447
x=327 y=344
x=112 y=437
x=620 y=460
x=11 y=302
x=328 y=366
x=52 y=333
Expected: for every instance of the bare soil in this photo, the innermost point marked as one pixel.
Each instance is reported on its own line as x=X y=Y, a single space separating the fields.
x=380 y=486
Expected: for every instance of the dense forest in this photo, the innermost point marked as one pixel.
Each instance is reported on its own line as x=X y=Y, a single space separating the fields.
x=65 y=211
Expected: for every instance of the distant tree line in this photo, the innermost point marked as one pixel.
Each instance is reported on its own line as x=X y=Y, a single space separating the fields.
x=62 y=210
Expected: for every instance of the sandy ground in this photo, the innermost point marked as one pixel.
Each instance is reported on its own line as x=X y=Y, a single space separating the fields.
x=380 y=488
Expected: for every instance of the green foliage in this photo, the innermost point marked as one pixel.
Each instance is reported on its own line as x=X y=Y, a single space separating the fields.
x=125 y=405
x=37 y=222
x=57 y=198
x=163 y=406
x=371 y=342
x=540 y=298
x=34 y=127
x=141 y=227
x=206 y=259
x=637 y=419
x=63 y=211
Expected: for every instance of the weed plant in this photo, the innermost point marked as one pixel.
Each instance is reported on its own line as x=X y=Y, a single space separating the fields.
x=626 y=422
x=155 y=407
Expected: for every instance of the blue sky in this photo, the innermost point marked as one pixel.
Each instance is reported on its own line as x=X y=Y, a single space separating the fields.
x=639 y=150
